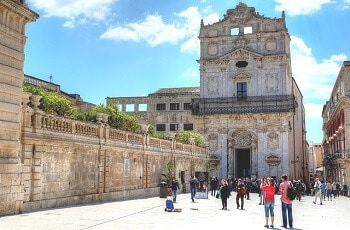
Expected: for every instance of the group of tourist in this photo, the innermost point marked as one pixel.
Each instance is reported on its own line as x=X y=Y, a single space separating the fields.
x=268 y=190
x=268 y=187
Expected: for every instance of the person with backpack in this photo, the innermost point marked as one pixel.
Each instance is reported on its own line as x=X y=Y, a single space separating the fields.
x=286 y=202
x=269 y=200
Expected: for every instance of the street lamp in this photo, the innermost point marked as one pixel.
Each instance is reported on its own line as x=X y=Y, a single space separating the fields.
x=293 y=162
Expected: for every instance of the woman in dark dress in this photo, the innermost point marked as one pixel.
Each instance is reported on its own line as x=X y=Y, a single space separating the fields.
x=224 y=193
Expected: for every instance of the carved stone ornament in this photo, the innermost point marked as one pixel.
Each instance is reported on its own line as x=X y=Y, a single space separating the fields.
x=271 y=44
x=244 y=139
x=273 y=160
x=213 y=49
x=272 y=141
x=213 y=141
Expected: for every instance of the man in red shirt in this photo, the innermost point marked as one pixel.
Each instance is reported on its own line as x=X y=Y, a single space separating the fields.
x=286 y=202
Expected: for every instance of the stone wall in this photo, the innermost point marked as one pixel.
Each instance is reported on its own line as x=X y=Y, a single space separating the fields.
x=13 y=18
x=66 y=162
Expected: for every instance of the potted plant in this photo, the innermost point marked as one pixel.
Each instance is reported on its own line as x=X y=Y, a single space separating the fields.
x=167 y=177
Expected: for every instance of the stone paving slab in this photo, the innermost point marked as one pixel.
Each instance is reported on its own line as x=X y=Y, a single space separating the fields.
x=204 y=213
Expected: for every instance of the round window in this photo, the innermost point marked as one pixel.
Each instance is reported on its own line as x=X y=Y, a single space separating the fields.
x=241 y=64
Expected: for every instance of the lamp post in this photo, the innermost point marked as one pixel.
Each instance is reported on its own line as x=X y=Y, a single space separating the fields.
x=191 y=141
x=172 y=148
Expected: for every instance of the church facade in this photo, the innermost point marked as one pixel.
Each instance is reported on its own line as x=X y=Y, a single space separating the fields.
x=248 y=107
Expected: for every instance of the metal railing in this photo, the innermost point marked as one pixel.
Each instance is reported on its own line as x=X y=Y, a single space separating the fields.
x=251 y=104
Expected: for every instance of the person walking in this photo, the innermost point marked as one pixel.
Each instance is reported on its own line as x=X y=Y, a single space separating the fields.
x=224 y=193
x=329 y=190
x=286 y=202
x=248 y=187
x=241 y=191
x=317 y=188
x=214 y=185
x=174 y=187
x=193 y=184
x=269 y=190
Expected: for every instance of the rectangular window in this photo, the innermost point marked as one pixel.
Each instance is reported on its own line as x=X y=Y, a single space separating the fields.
x=143 y=107
x=160 y=127
x=174 y=106
x=174 y=127
x=187 y=106
x=188 y=127
x=161 y=106
x=241 y=90
x=248 y=30
x=234 y=31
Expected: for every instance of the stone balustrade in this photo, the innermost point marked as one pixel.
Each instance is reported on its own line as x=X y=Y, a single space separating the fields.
x=68 y=162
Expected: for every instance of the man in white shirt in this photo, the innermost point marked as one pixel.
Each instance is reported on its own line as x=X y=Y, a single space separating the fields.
x=317 y=188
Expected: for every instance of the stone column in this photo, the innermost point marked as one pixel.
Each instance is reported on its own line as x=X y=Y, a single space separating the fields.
x=15 y=15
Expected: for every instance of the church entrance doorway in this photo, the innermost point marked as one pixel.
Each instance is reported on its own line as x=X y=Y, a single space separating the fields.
x=243 y=159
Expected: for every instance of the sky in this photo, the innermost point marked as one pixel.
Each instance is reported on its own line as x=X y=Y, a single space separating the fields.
x=117 y=48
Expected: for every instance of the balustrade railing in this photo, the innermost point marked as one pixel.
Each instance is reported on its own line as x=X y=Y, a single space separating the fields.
x=249 y=104
x=65 y=125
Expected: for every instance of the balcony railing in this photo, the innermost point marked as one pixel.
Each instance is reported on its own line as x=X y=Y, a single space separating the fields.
x=345 y=154
x=252 y=104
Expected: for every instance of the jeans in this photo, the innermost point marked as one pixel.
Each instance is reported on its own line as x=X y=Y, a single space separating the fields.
x=318 y=194
x=269 y=208
x=174 y=195
x=287 y=208
x=193 y=193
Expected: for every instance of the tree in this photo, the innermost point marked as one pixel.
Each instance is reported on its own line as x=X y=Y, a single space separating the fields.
x=184 y=136
x=52 y=102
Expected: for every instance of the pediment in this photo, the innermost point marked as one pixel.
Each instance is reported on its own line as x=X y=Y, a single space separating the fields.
x=241 y=54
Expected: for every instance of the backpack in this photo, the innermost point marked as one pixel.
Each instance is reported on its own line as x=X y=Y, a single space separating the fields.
x=292 y=192
x=169 y=205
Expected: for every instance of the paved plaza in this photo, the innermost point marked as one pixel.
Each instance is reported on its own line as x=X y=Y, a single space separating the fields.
x=203 y=214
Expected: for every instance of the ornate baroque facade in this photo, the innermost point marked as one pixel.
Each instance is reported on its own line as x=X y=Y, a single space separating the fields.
x=248 y=106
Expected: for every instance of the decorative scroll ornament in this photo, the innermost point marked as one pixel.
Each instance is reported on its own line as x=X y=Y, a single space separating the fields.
x=273 y=160
x=244 y=139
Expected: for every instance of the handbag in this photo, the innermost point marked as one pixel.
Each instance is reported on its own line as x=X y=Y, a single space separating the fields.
x=217 y=194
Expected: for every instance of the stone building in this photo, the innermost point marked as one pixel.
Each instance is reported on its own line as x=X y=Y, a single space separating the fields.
x=76 y=100
x=14 y=15
x=168 y=109
x=336 y=144
x=249 y=108
x=51 y=161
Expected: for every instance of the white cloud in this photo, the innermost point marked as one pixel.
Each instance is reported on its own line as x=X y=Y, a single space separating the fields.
x=190 y=72
x=75 y=11
x=297 y=7
x=154 y=31
x=315 y=79
x=313 y=110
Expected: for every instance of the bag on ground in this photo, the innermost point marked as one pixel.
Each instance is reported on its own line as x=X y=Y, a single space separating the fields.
x=169 y=205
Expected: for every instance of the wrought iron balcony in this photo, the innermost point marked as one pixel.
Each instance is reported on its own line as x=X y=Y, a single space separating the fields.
x=252 y=104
